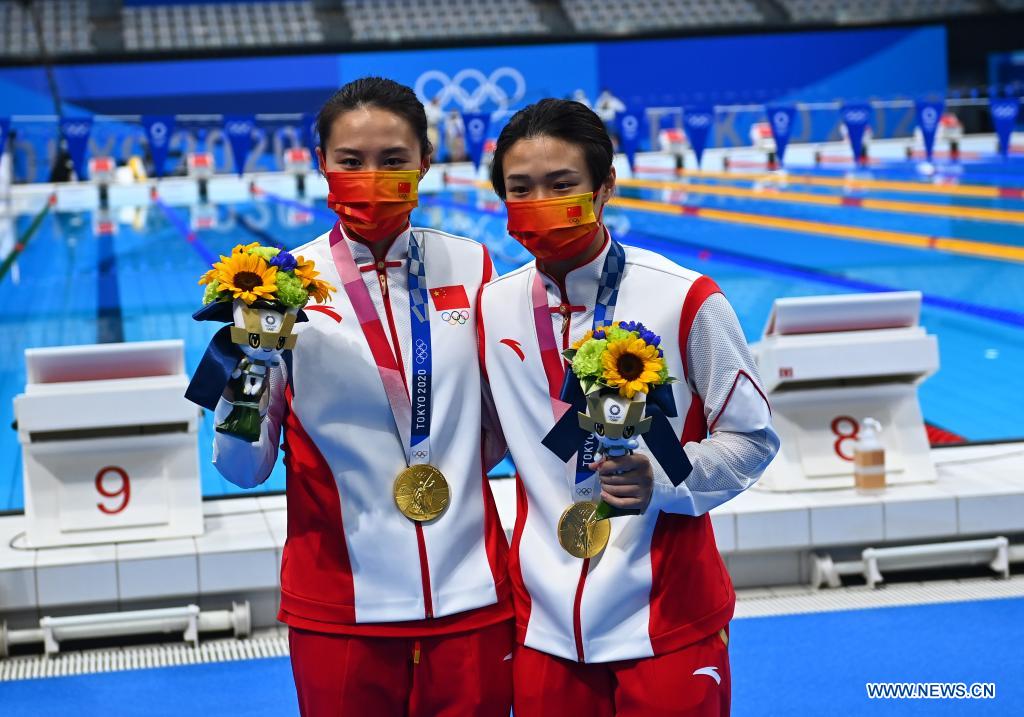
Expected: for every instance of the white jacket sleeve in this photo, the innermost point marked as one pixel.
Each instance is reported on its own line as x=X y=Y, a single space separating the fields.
x=249 y=464
x=742 y=442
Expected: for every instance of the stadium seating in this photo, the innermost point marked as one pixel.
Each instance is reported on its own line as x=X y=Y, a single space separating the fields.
x=169 y=25
x=216 y=25
x=394 y=20
x=624 y=17
x=65 y=25
x=852 y=11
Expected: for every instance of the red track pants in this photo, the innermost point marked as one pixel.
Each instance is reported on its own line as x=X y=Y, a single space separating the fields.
x=691 y=682
x=463 y=675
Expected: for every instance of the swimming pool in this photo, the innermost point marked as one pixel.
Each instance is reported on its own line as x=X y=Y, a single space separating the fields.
x=76 y=284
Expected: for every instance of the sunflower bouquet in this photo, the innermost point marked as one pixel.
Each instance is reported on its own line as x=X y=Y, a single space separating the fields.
x=255 y=272
x=260 y=290
x=625 y=357
x=617 y=367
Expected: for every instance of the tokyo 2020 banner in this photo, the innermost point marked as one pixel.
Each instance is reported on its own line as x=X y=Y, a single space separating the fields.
x=717 y=71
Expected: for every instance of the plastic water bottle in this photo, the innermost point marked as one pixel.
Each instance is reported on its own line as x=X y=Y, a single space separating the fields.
x=869 y=457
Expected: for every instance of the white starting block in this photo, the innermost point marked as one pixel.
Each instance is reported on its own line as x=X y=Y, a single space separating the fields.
x=109 y=444
x=102 y=170
x=200 y=165
x=761 y=137
x=297 y=160
x=829 y=362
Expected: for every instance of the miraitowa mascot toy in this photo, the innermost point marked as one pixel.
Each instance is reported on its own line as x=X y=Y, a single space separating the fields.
x=259 y=293
x=617 y=391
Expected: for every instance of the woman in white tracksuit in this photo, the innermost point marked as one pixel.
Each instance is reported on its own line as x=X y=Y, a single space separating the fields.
x=393 y=579
x=641 y=628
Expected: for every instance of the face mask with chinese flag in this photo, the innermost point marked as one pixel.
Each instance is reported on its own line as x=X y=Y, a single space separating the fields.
x=373 y=205
x=554 y=229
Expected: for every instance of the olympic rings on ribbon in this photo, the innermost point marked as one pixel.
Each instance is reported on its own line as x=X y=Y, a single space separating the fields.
x=421 y=351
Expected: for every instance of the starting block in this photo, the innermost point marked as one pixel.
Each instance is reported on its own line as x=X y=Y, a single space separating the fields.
x=829 y=362
x=102 y=170
x=200 y=165
x=297 y=160
x=109 y=445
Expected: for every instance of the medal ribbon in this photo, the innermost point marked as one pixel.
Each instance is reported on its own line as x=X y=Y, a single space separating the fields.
x=560 y=378
x=412 y=416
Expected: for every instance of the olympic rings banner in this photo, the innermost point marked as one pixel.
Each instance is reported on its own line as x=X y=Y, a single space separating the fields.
x=1004 y=118
x=75 y=131
x=737 y=70
x=857 y=118
x=697 y=123
x=239 y=129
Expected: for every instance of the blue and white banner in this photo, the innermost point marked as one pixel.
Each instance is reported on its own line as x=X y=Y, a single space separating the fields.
x=310 y=135
x=75 y=131
x=5 y=128
x=697 y=123
x=1004 y=119
x=857 y=118
x=929 y=115
x=476 y=124
x=239 y=129
x=158 y=130
x=630 y=124
x=780 y=119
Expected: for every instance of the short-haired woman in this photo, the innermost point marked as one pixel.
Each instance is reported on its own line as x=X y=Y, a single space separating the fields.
x=640 y=627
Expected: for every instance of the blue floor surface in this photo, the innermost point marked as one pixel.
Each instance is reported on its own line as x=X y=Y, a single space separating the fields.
x=811 y=665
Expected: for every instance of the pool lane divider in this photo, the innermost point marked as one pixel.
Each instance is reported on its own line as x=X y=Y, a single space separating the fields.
x=1007 y=216
x=980 y=191
x=26 y=236
x=798 y=271
x=779 y=268
x=318 y=209
x=963 y=247
x=178 y=223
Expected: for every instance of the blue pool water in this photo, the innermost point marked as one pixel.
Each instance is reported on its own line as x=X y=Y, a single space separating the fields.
x=71 y=286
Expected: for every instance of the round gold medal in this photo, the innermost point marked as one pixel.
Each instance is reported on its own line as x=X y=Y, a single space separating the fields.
x=580 y=533
x=421 y=492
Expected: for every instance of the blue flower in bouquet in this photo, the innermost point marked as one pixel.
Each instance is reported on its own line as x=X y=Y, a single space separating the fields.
x=650 y=338
x=284 y=261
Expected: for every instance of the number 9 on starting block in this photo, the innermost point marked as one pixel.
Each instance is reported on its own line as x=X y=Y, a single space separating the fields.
x=109 y=445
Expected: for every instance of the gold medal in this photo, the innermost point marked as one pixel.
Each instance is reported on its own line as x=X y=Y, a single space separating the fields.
x=421 y=492
x=580 y=533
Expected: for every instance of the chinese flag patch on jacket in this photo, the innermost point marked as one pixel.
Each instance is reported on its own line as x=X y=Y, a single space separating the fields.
x=446 y=298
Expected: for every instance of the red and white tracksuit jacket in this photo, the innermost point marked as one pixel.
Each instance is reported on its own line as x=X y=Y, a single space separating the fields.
x=661 y=583
x=353 y=563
